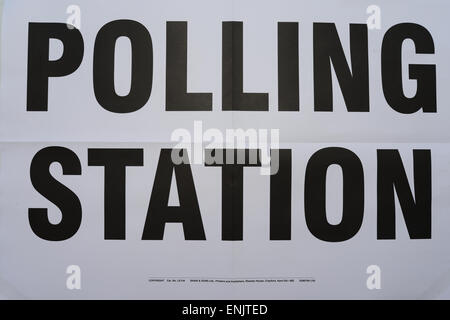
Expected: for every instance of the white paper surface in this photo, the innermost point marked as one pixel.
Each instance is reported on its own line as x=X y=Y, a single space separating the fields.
x=33 y=268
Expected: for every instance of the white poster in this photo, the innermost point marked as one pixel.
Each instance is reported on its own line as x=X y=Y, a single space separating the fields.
x=224 y=149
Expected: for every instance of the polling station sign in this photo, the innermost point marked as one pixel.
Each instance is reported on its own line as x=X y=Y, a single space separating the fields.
x=224 y=149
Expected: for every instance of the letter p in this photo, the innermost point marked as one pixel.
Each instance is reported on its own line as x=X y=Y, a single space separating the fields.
x=40 y=68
